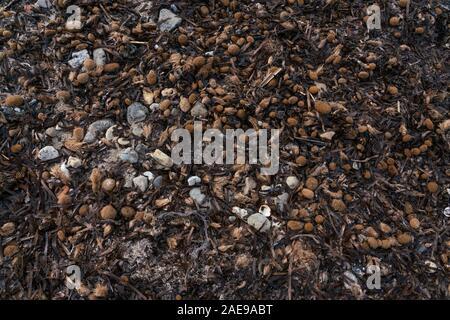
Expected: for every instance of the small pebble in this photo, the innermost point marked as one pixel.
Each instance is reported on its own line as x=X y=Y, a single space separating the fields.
x=194 y=180
x=136 y=112
x=292 y=182
x=259 y=222
x=168 y=20
x=197 y=195
x=162 y=158
x=150 y=176
x=48 y=153
x=129 y=155
x=141 y=182
x=199 y=110
x=158 y=182
x=99 y=57
x=78 y=58
x=96 y=128
x=74 y=162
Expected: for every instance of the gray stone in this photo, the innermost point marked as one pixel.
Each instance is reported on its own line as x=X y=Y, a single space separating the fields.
x=141 y=182
x=44 y=4
x=141 y=149
x=197 y=195
x=99 y=57
x=281 y=201
x=150 y=176
x=168 y=20
x=128 y=178
x=129 y=155
x=48 y=153
x=136 y=112
x=96 y=128
x=52 y=132
x=157 y=183
x=199 y=110
x=137 y=129
x=259 y=222
x=154 y=107
x=78 y=58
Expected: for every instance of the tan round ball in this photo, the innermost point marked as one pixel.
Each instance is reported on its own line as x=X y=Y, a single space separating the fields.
x=108 y=212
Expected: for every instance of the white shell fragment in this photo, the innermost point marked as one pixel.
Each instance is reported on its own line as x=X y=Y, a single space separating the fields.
x=99 y=56
x=292 y=182
x=241 y=213
x=194 y=180
x=78 y=58
x=265 y=210
x=197 y=195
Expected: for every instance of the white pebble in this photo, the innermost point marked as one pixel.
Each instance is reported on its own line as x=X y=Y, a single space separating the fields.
x=292 y=182
x=78 y=58
x=197 y=195
x=194 y=180
x=241 y=213
x=99 y=57
x=74 y=162
x=150 y=176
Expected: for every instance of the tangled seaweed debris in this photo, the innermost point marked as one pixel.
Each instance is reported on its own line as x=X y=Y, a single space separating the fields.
x=91 y=91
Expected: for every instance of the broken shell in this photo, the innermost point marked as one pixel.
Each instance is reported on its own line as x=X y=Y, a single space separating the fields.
x=265 y=210
x=241 y=213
